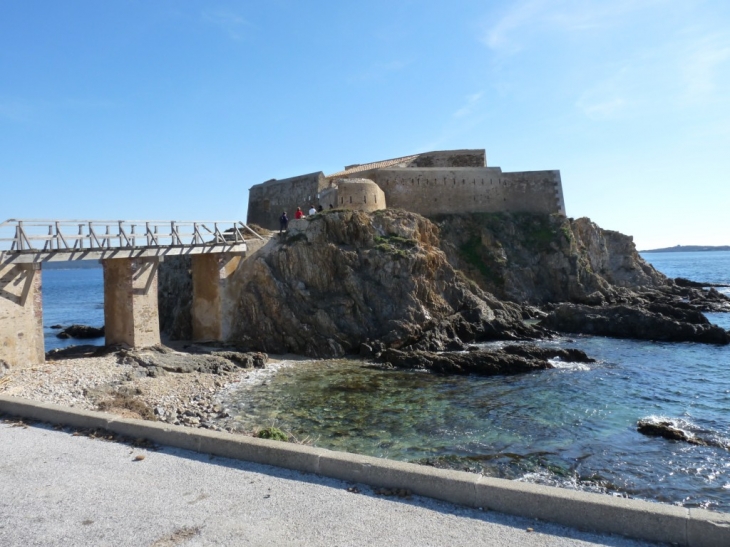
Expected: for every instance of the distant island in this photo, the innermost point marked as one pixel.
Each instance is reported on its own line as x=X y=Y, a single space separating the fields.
x=688 y=249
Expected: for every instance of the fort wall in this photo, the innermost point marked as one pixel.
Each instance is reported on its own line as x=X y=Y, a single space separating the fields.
x=266 y=201
x=432 y=191
x=432 y=183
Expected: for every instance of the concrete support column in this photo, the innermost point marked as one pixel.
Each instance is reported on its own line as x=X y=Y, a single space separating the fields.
x=21 y=315
x=212 y=309
x=130 y=302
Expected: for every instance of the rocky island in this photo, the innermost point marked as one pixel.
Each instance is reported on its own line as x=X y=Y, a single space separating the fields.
x=408 y=263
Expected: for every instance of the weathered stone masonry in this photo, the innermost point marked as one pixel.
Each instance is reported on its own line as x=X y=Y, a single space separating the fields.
x=449 y=181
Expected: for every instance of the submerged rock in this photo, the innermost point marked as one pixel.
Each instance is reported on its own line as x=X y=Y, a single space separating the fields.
x=483 y=362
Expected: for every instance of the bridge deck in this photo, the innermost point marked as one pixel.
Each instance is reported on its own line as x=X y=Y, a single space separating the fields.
x=36 y=241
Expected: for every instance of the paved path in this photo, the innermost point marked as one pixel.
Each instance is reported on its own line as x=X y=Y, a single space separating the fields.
x=59 y=489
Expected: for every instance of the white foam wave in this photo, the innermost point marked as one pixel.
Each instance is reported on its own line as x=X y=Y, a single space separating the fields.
x=558 y=363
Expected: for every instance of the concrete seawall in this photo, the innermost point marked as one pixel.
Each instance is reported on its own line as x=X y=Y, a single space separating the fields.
x=581 y=510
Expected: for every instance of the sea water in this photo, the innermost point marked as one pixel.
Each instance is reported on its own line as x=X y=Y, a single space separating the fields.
x=73 y=296
x=572 y=426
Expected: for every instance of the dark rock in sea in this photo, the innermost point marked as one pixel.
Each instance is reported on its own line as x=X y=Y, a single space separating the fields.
x=56 y=326
x=483 y=362
x=633 y=322
x=668 y=430
x=568 y=355
x=81 y=331
x=682 y=282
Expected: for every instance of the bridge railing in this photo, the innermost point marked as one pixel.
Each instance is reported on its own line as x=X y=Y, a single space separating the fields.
x=78 y=235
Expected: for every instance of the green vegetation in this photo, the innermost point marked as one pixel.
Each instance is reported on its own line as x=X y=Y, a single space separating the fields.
x=395 y=245
x=272 y=433
x=475 y=254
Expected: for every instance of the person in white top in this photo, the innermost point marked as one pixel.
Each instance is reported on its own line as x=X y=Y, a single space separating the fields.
x=312 y=211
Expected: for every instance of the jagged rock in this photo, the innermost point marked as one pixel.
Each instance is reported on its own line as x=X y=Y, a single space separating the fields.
x=537 y=259
x=484 y=362
x=81 y=331
x=395 y=278
x=633 y=322
x=346 y=276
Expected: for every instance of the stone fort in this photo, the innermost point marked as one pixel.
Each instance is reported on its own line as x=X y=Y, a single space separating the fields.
x=431 y=183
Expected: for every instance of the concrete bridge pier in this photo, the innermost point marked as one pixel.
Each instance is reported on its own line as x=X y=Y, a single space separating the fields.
x=21 y=314
x=130 y=302
x=212 y=311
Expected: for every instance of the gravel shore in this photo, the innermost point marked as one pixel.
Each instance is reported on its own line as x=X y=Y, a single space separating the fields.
x=119 y=384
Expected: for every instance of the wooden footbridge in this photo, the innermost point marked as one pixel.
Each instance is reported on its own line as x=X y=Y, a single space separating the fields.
x=130 y=252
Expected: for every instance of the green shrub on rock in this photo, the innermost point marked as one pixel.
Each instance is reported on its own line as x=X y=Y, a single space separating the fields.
x=273 y=433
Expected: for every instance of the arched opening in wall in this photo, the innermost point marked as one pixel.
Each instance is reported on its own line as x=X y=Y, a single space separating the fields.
x=342 y=201
x=350 y=199
x=365 y=199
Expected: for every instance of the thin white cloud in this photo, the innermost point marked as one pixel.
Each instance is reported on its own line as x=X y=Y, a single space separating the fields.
x=499 y=35
x=703 y=64
x=511 y=31
x=470 y=104
x=230 y=22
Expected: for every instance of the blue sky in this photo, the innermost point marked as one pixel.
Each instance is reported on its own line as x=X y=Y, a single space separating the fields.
x=172 y=110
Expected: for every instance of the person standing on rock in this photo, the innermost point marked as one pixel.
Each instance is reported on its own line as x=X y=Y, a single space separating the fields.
x=312 y=211
x=299 y=213
x=283 y=222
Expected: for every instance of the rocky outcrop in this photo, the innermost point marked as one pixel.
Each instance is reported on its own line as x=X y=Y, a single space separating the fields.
x=537 y=259
x=341 y=278
x=346 y=282
x=483 y=362
x=654 y=322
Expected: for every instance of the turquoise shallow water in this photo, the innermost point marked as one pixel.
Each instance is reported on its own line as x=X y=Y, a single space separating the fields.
x=573 y=426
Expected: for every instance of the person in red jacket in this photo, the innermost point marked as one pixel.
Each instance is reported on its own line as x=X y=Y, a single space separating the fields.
x=299 y=213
